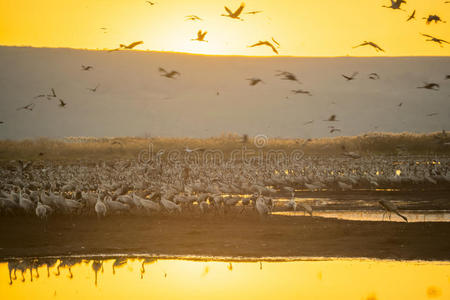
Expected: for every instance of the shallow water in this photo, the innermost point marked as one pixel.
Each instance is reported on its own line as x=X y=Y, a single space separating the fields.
x=370 y=215
x=222 y=278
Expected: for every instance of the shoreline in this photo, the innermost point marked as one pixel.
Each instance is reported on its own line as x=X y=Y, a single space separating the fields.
x=241 y=236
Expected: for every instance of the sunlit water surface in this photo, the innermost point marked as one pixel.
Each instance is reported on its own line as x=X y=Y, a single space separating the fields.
x=221 y=278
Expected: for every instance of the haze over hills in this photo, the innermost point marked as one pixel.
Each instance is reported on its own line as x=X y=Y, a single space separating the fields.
x=212 y=95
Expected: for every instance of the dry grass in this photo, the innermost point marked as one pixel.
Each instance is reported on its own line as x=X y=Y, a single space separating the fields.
x=75 y=148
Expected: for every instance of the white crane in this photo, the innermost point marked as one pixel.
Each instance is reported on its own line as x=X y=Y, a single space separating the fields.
x=100 y=207
x=261 y=206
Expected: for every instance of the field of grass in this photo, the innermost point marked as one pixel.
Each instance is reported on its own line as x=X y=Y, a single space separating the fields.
x=74 y=148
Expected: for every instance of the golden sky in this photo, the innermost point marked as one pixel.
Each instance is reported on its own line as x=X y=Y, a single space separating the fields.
x=303 y=27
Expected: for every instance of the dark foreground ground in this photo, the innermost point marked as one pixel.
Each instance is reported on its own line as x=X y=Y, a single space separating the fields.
x=224 y=236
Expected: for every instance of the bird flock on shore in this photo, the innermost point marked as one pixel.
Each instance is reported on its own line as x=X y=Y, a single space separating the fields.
x=109 y=188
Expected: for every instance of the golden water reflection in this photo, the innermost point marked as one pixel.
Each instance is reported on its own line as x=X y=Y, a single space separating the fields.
x=152 y=278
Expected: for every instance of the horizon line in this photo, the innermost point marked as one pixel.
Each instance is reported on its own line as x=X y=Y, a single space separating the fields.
x=223 y=55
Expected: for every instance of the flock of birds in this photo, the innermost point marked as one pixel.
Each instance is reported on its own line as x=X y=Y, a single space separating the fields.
x=274 y=45
x=129 y=187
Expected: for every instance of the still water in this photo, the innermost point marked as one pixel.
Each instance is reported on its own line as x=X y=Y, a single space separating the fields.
x=370 y=215
x=222 y=278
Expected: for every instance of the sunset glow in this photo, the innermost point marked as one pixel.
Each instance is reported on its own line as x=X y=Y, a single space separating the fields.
x=303 y=28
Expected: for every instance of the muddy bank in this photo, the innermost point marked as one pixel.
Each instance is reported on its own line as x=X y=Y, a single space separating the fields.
x=224 y=236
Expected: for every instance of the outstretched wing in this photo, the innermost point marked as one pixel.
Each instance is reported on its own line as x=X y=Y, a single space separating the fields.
x=272 y=46
x=228 y=10
x=257 y=44
x=427 y=35
x=132 y=45
x=239 y=10
x=162 y=70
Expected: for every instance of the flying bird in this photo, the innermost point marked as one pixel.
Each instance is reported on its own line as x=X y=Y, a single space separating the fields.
x=1 y=122
x=412 y=16
x=434 y=39
x=132 y=45
x=287 y=76
x=128 y=47
x=430 y=86
x=447 y=77
x=94 y=89
x=432 y=114
x=236 y=14
x=265 y=43
x=309 y=122
x=302 y=92
x=48 y=96
x=400 y=104
x=374 y=76
x=62 y=103
x=193 y=18
x=255 y=81
x=434 y=18
x=27 y=107
x=86 y=68
x=350 y=78
x=372 y=44
x=332 y=118
x=201 y=36
x=150 y=3
x=395 y=4
x=334 y=129
x=167 y=74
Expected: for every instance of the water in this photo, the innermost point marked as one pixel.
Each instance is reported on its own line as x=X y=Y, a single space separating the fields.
x=370 y=215
x=226 y=278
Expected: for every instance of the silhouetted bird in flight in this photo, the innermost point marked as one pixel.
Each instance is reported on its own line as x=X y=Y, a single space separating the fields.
x=412 y=16
x=265 y=43
x=434 y=18
x=432 y=114
x=374 y=76
x=1 y=122
x=201 y=36
x=255 y=81
x=150 y=3
x=400 y=104
x=254 y=12
x=309 y=122
x=350 y=78
x=434 y=39
x=302 y=92
x=236 y=14
x=129 y=47
x=395 y=4
x=332 y=118
x=27 y=107
x=132 y=45
x=170 y=74
x=193 y=18
x=334 y=129
x=447 y=77
x=48 y=96
x=86 y=68
x=62 y=103
x=94 y=89
x=287 y=76
x=430 y=86
x=375 y=46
